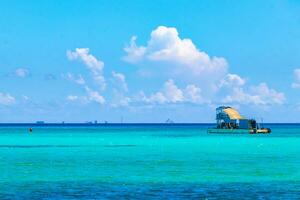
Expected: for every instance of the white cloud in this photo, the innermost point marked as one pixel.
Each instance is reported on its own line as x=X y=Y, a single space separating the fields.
x=21 y=72
x=165 y=45
x=258 y=95
x=180 y=59
x=134 y=53
x=77 y=79
x=94 y=96
x=296 y=83
x=80 y=99
x=124 y=101
x=91 y=96
x=170 y=93
x=234 y=87
x=120 y=81
x=120 y=89
x=95 y=66
x=91 y=62
x=72 y=97
x=232 y=80
x=193 y=94
x=120 y=100
x=88 y=59
x=270 y=96
x=7 y=99
x=241 y=97
x=183 y=60
x=156 y=98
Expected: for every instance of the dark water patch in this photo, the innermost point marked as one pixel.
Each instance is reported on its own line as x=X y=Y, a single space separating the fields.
x=96 y=190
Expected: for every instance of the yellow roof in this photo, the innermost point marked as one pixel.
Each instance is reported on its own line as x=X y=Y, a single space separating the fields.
x=232 y=113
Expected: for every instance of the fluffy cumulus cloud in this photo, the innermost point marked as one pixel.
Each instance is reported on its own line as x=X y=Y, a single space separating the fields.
x=119 y=81
x=21 y=72
x=296 y=83
x=6 y=99
x=77 y=79
x=257 y=95
x=196 y=67
x=165 y=45
x=120 y=90
x=120 y=100
x=232 y=80
x=193 y=94
x=171 y=93
x=91 y=96
x=134 y=53
x=91 y=62
x=173 y=58
x=235 y=90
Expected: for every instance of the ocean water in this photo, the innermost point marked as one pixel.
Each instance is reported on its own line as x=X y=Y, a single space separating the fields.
x=149 y=162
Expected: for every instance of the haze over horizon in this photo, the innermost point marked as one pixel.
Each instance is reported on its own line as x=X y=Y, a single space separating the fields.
x=148 y=61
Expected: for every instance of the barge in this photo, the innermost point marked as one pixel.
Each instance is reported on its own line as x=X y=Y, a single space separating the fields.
x=229 y=121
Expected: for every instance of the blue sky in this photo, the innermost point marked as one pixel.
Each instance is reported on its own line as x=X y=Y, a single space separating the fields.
x=147 y=61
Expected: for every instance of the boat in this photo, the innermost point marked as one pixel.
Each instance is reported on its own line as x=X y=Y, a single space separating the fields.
x=229 y=121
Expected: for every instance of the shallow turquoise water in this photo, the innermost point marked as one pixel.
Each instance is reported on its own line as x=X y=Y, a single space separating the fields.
x=169 y=161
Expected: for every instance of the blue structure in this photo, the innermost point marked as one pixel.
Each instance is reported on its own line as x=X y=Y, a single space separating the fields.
x=230 y=120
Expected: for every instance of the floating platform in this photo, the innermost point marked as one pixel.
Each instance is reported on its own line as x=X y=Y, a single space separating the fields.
x=229 y=121
x=239 y=131
x=228 y=131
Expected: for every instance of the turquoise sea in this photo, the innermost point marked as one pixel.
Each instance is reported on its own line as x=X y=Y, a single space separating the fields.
x=154 y=161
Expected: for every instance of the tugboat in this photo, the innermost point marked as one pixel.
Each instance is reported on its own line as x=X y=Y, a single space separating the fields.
x=230 y=121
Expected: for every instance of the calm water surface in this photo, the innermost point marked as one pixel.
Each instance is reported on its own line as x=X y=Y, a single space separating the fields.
x=153 y=161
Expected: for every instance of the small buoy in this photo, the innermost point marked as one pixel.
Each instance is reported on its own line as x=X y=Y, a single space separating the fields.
x=30 y=130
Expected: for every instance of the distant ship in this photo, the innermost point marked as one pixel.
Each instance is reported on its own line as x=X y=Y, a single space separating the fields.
x=230 y=121
x=169 y=121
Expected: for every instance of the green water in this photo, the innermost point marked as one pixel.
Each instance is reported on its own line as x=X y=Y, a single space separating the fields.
x=147 y=155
